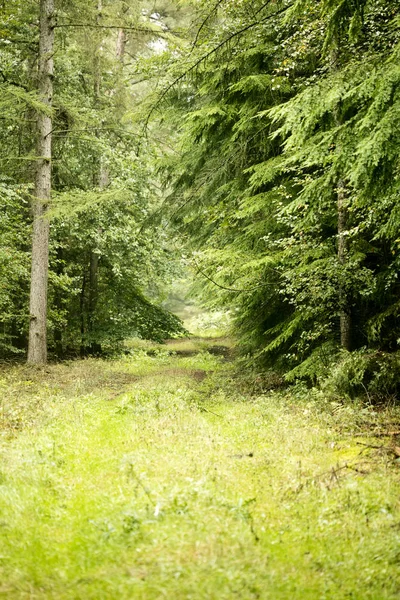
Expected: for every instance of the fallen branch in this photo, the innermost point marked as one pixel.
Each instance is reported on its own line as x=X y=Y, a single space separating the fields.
x=203 y=409
x=375 y=434
x=332 y=474
x=389 y=449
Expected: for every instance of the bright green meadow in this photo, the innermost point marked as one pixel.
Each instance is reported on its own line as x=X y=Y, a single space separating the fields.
x=161 y=475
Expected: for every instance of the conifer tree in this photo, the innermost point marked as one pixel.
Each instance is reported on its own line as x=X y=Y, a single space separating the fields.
x=287 y=152
x=37 y=351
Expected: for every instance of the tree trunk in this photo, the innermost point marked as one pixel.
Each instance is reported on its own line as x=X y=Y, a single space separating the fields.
x=97 y=60
x=58 y=305
x=37 y=349
x=100 y=178
x=82 y=316
x=343 y=247
x=94 y=347
x=342 y=227
x=121 y=43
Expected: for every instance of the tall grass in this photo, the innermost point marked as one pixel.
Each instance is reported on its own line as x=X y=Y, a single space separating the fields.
x=150 y=477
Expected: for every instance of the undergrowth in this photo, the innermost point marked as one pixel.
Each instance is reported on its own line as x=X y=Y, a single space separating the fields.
x=157 y=476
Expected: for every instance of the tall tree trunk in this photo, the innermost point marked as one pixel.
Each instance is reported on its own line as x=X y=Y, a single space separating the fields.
x=37 y=349
x=100 y=179
x=342 y=226
x=343 y=248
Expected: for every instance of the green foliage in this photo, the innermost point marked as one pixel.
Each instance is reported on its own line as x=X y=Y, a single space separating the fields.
x=108 y=265
x=14 y=265
x=372 y=375
x=303 y=110
x=269 y=114
x=133 y=266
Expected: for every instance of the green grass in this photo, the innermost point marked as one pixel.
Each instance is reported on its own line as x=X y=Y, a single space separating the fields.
x=152 y=477
x=192 y=345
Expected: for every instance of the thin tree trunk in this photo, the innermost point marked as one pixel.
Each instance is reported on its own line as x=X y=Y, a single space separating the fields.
x=82 y=315
x=37 y=349
x=342 y=228
x=100 y=178
x=343 y=248
x=58 y=304
x=97 y=61
x=92 y=300
x=121 y=43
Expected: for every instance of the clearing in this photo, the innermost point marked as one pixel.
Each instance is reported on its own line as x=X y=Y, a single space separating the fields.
x=158 y=475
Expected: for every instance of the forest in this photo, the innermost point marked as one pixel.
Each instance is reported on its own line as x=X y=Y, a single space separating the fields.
x=199 y=299
x=260 y=141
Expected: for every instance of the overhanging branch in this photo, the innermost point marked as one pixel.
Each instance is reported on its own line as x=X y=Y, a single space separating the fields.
x=207 y=55
x=228 y=289
x=159 y=32
x=204 y=23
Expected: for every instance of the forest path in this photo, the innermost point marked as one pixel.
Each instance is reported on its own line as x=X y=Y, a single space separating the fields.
x=154 y=476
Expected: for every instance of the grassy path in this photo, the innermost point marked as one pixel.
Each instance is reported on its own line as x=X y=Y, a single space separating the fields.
x=151 y=477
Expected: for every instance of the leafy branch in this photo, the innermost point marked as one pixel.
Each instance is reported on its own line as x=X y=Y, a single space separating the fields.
x=207 y=55
x=229 y=289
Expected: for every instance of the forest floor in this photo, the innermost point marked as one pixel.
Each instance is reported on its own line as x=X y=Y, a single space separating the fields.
x=161 y=475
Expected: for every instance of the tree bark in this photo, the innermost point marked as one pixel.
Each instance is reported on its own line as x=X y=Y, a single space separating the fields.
x=121 y=43
x=58 y=304
x=343 y=248
x=37 y=349
x=342 y=227
x=94 y=347
x=82 y=315
x=121 y=37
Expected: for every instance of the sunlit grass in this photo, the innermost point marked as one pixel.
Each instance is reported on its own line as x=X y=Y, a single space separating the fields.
x=145 y=478
x=192 y=345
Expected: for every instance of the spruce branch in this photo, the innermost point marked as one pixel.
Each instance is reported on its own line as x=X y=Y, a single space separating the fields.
x=207 y=55
x=228 y=289
x=160 y=32
x=204 y=23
